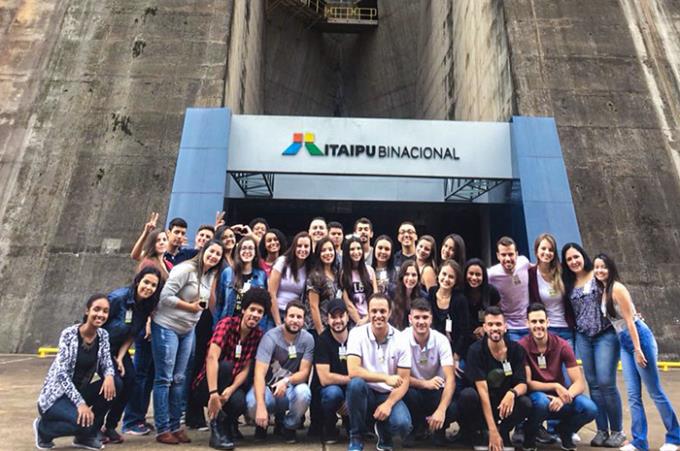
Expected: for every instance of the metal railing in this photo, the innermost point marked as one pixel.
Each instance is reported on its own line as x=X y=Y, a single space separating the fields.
x=350 y=13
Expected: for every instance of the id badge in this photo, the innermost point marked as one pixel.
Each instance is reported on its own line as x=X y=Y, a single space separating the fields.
x=342 y=353
x=480 y=316
x=292 y=352
x=507 y=368
x=449 y=325
x=381 y=355
x=237 y=351
x=542 y=364
x=422 y=360
x=128 y=316
x=246 y=287
x=516 y=280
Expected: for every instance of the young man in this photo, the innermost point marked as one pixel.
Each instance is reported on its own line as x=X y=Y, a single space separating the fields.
x=204 y=234
x=432 y=382
x=363 y=228
x=330 y=362
x=336 y=235
x=550 y=395
x=177 y=232
x=511 y=278
x=496 y=367
x=379 y=364
x=407 y=237
x=222 y=381
x=282 y=365
x=317 y=230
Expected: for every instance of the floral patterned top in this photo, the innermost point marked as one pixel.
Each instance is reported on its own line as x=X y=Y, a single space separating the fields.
x=585 y=302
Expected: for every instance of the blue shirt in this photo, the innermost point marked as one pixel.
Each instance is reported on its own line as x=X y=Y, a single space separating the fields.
x=182 y=255
x=229 y=303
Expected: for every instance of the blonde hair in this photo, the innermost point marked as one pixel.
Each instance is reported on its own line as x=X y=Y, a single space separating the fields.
x=555 y=267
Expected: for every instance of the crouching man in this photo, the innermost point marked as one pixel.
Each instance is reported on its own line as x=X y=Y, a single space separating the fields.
x=550 y=395
x=379 y=364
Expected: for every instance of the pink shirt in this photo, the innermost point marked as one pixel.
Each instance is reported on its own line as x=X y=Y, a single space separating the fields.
x=514 y=291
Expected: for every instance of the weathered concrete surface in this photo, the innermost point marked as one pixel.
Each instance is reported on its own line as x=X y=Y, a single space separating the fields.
x=21 y=377
x=607 y=71
x=93 y=95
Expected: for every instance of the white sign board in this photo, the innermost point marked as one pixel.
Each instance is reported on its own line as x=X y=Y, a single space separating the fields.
x=377 y=147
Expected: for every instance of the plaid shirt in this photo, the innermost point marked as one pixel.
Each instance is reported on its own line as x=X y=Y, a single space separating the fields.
x=227 y=335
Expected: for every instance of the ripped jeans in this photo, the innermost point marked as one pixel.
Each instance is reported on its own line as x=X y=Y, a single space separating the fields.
x=171 y=354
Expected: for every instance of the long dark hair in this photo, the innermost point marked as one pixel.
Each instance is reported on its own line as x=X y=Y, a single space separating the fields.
x=283 y=243
x=568 y=276
x=218 y=236
x=153 y=299
x=483 y=288
x=292 y=265
x=390 y=261
x=432 y=259
x=91 y=300
x=346 y=278
x=317 y=264
x=608 y=287
x=149 y=249
x=402 y=302
x=238 y=263
x=198 y=259
x=459 y=252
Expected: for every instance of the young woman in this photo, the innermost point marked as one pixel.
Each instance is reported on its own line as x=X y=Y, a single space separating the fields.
x=289 y=275
x=129 y=311
x=383 y=263
x=323 y=285
x=406 y=289
x=69 y=404
x=450 y=313
x=639 y=354
x=546 y=287
x=357 y=281
x=236 y=280
x=228 y=238
x=183 y=299
x=426 y=251
x=480 y=295
x=596 y=344
x=153 y=253
x=271 y=247
x=453 y=247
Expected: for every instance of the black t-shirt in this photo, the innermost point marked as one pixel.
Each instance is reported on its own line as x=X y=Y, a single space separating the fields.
x=458 y=313
x=86 y=363
x=482 y=366
x=328 y=352
x=477 y=308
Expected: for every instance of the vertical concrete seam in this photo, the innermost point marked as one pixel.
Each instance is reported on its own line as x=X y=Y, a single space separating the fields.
x=639 y=26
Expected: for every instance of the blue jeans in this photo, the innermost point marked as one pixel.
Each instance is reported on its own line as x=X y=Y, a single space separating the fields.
x=573 y=416
x=632 y=374
x=599 y=356
x=332 y=397
x=566 y=333
x=294 y=404
x=362 y=400
x=61 y=419
x=171 y=354
x=516 y=334
x=140 y=396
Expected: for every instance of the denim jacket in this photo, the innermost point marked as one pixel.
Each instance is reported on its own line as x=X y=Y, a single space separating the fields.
x=121 y=301
x=59 y=380
x=226 y=303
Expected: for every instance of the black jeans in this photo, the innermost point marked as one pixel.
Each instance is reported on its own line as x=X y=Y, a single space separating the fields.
x=236 y=405
x=127 y=384
x=203 y=333
x=61 y=419
x=422 y=403
x=472 y=417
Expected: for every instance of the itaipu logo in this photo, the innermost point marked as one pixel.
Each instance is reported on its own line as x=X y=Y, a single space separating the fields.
x=369 y=150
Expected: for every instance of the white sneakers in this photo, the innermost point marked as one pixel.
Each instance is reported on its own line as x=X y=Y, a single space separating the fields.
x=628 y=447
x=669 y=447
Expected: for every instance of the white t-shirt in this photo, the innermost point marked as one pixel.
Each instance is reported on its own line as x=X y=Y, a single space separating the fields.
x=427 y=362
x=385 y=358
x=289 y=289
x=552 y=299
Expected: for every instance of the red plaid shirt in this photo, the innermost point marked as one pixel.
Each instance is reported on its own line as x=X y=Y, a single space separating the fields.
x=227 y=335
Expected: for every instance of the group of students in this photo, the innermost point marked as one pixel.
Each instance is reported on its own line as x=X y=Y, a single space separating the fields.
x=391 y=339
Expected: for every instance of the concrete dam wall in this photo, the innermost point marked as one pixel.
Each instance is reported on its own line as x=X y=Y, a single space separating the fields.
x=93 y=94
